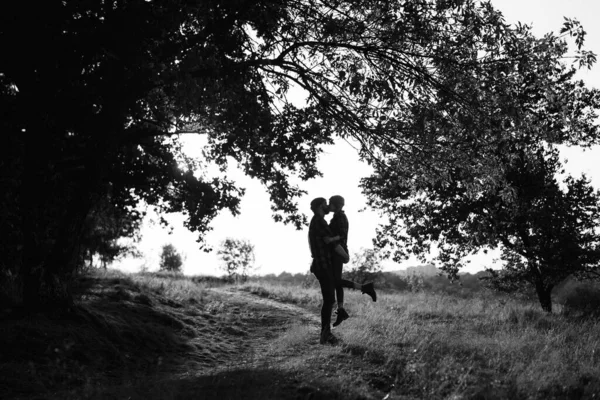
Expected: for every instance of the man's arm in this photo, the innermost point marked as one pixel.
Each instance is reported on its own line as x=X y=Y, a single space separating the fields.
x=322 y=231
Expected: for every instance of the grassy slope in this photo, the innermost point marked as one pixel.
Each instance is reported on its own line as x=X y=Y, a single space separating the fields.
x=146 y=336
x=126 y=330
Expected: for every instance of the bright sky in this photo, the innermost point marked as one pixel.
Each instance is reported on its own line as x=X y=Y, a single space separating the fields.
x=281 y=248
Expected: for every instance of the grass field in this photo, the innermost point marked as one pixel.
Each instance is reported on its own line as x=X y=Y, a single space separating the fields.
x=436 y=346
x=169 y=337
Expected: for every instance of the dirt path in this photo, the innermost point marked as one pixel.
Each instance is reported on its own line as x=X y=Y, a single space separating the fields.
x=263 y=320
x=277 y=357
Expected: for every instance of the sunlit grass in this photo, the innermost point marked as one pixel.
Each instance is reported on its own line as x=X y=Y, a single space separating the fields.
x=436 y=346
x=285 y=293
x=174 y=286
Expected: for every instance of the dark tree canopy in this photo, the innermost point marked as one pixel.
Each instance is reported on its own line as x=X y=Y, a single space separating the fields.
x=94 y=94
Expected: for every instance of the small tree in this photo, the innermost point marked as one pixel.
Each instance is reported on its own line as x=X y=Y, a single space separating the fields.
x=170 y=259
x=237 y=257
x=367 y=266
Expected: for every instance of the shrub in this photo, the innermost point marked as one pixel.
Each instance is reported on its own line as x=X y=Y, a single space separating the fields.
x=582 y=298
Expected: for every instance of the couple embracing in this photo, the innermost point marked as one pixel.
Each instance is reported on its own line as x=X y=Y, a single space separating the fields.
x=329 y=250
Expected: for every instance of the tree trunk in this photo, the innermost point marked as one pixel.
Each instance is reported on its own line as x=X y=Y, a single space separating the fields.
x=47 y=275
x=61 y=266
x=544 y=293
x=33 y=194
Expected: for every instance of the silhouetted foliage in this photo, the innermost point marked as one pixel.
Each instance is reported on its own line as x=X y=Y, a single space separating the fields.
x=286 y=278
x=495 y=183
x=391 y=280
x=579 y=299
x=549 y=234
x=95 y=94
x=237 y=258
x=467 y=286
x=170 y=259
x=104 y=226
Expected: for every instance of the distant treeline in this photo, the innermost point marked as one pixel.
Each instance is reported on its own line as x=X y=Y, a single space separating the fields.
x=468 y=284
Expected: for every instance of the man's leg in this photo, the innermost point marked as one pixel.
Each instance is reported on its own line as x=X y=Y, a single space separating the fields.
x=326 y=282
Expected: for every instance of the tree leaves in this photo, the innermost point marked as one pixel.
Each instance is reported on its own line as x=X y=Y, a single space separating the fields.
x=170 y=259
x=435 y=92
x=237 y=257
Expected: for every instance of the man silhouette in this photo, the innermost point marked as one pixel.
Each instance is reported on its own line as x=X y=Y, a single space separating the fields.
x=319 y=239
x=339 y=227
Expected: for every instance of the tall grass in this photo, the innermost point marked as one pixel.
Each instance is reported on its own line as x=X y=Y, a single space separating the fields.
x=171 y=285
x=439 y=346
x=287 y=293
x=130 y=327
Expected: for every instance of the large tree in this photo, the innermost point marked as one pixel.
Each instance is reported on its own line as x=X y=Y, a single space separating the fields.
x=547 y=230
x=94 y=93
x=495 y=179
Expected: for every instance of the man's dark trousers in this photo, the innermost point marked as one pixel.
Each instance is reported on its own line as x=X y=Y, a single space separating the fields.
x=327 y=283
